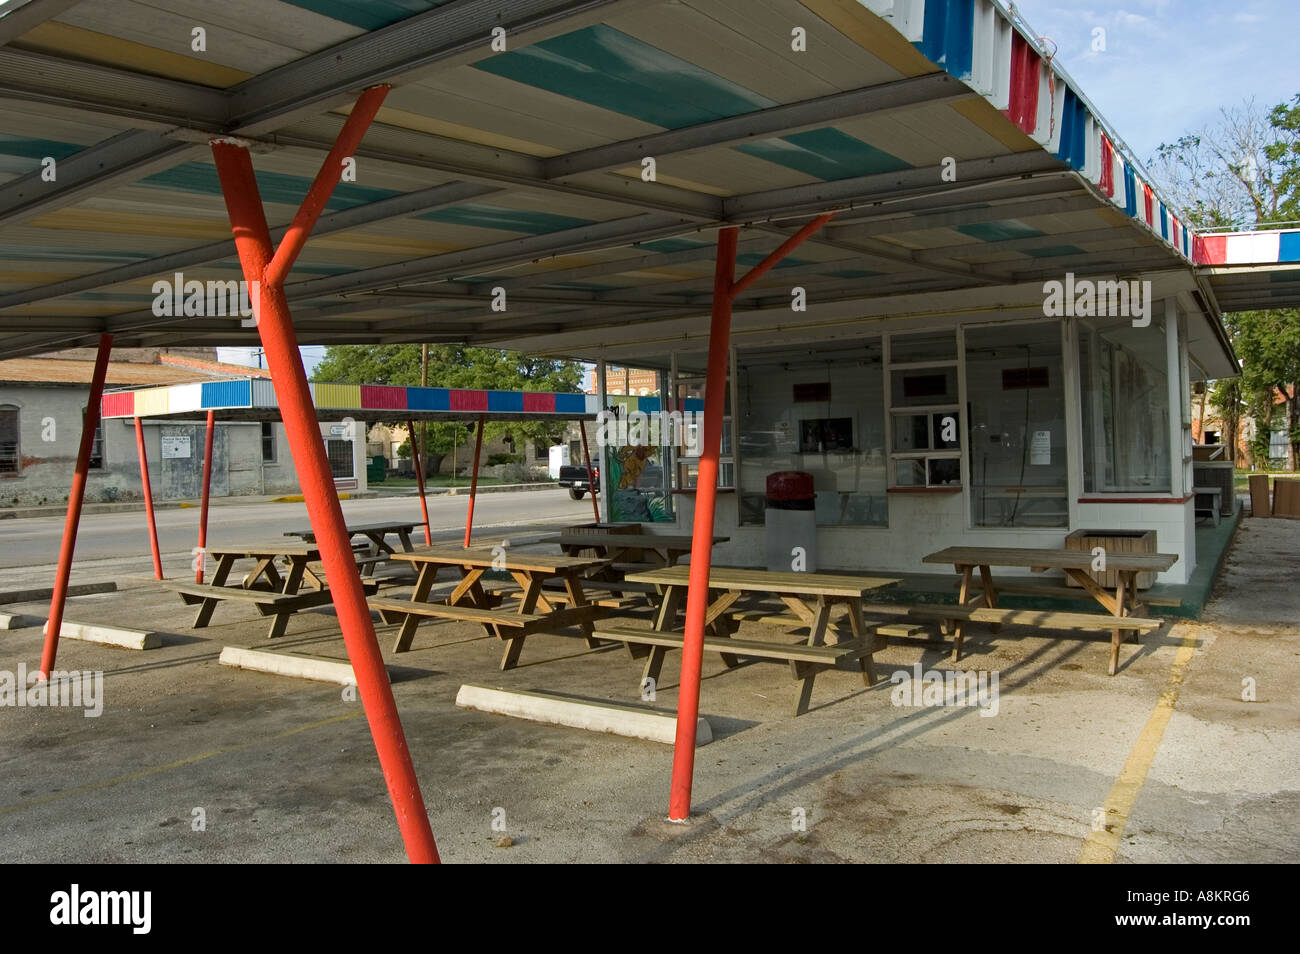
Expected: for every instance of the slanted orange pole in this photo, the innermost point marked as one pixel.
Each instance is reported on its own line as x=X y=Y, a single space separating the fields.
x=591 y=477
x=147 y=491
x=725 y=289
x=473 y=481
x=275 y=326
x=419 y=480
x=207 y=489
x=76 y=494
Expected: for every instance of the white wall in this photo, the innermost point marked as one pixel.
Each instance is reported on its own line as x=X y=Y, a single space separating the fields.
x=920 y=524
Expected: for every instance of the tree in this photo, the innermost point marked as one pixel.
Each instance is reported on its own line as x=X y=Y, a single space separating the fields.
x=455 y=366
x=1269 y=345
x=1244 y=172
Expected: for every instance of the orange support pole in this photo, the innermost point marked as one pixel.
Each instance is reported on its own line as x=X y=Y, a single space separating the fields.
x=706 y=491
x=591 y=477
x=419 y=480
x=148 y=500
x=207 y=490
x=473 y=481
x=76 y=494
x=275 y=326
x=725 y=289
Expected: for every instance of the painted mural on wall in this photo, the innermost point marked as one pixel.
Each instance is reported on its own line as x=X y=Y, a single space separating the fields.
x=638 y=491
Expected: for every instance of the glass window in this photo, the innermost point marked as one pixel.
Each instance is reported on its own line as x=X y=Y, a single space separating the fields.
x=817 y=410
x=340 y=457
x=924 y=410
x=923 y=349
x=10 y=461
x=268 y=442
x=1124 y=386
x=1016 y=401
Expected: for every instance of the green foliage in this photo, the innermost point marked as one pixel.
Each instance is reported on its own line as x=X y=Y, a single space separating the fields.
x=1245 y=172
x=1284 y=151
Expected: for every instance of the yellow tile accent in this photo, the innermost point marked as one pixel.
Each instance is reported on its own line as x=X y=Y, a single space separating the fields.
x=634 y=172
x=981 y=112
x=51 y=37
x=337 y=395
x=152 y=401
x=131 y=223
x=440 y=127
x=872 y=34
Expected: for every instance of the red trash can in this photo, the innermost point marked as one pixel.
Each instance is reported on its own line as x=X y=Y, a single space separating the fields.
x=790 y=519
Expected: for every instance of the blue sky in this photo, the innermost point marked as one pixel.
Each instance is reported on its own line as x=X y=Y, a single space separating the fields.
x=1169 y=65
x=311 y=356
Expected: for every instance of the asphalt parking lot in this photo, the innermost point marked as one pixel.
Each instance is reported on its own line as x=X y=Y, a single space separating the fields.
x=193 y=761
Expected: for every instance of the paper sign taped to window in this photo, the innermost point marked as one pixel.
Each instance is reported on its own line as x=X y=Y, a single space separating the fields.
x=1040 y=448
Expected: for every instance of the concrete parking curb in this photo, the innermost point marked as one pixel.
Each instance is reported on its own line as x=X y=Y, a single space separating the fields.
x=295 y=666
x=636 y=722
x=108 y=635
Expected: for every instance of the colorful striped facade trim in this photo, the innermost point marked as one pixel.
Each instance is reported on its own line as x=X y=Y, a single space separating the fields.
x=977 y=42
x=1281 y=246
x=358 y=399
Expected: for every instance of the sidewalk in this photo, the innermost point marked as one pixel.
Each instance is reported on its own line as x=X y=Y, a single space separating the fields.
x=18 y=513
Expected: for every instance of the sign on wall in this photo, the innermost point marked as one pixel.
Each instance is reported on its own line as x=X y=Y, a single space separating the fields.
x=176 y=447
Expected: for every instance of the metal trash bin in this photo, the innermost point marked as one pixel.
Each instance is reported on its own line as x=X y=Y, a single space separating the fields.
x=790 y=519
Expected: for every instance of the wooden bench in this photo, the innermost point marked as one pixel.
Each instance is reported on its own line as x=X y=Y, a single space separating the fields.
x=268 y=602
x=805 y=661
x=1051 y=590
x=561 y=598
x=1203 y=507
x=506 y=625
x=1047 y=619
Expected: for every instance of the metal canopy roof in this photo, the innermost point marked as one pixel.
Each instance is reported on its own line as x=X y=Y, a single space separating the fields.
x=1252 y=270
x=966 y=166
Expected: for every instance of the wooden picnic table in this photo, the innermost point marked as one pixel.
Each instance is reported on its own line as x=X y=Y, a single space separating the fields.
x=376 y=533
x=810 y=597
x=1122 y=603
x=660 y=549
x=538 y=611
x=272 y=593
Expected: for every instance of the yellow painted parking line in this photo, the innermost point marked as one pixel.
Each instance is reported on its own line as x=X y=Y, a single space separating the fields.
x=1100 y=847
x=145 y=773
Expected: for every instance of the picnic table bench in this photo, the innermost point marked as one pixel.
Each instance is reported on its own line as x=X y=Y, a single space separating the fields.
x=470 y=602
x=653 y=548
x=272 y=594
x=1207 y=503
x=377 y=536
x=1123 y=603
x=810 y=597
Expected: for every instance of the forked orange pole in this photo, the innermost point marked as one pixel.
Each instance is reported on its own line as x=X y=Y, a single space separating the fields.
x=76 y=495
x=419 y=480
x=275 y=326
x=725 y=289
x=473 y=481
x=147 y=492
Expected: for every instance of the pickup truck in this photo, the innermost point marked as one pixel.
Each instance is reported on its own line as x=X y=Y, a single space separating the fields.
x=575 y=477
